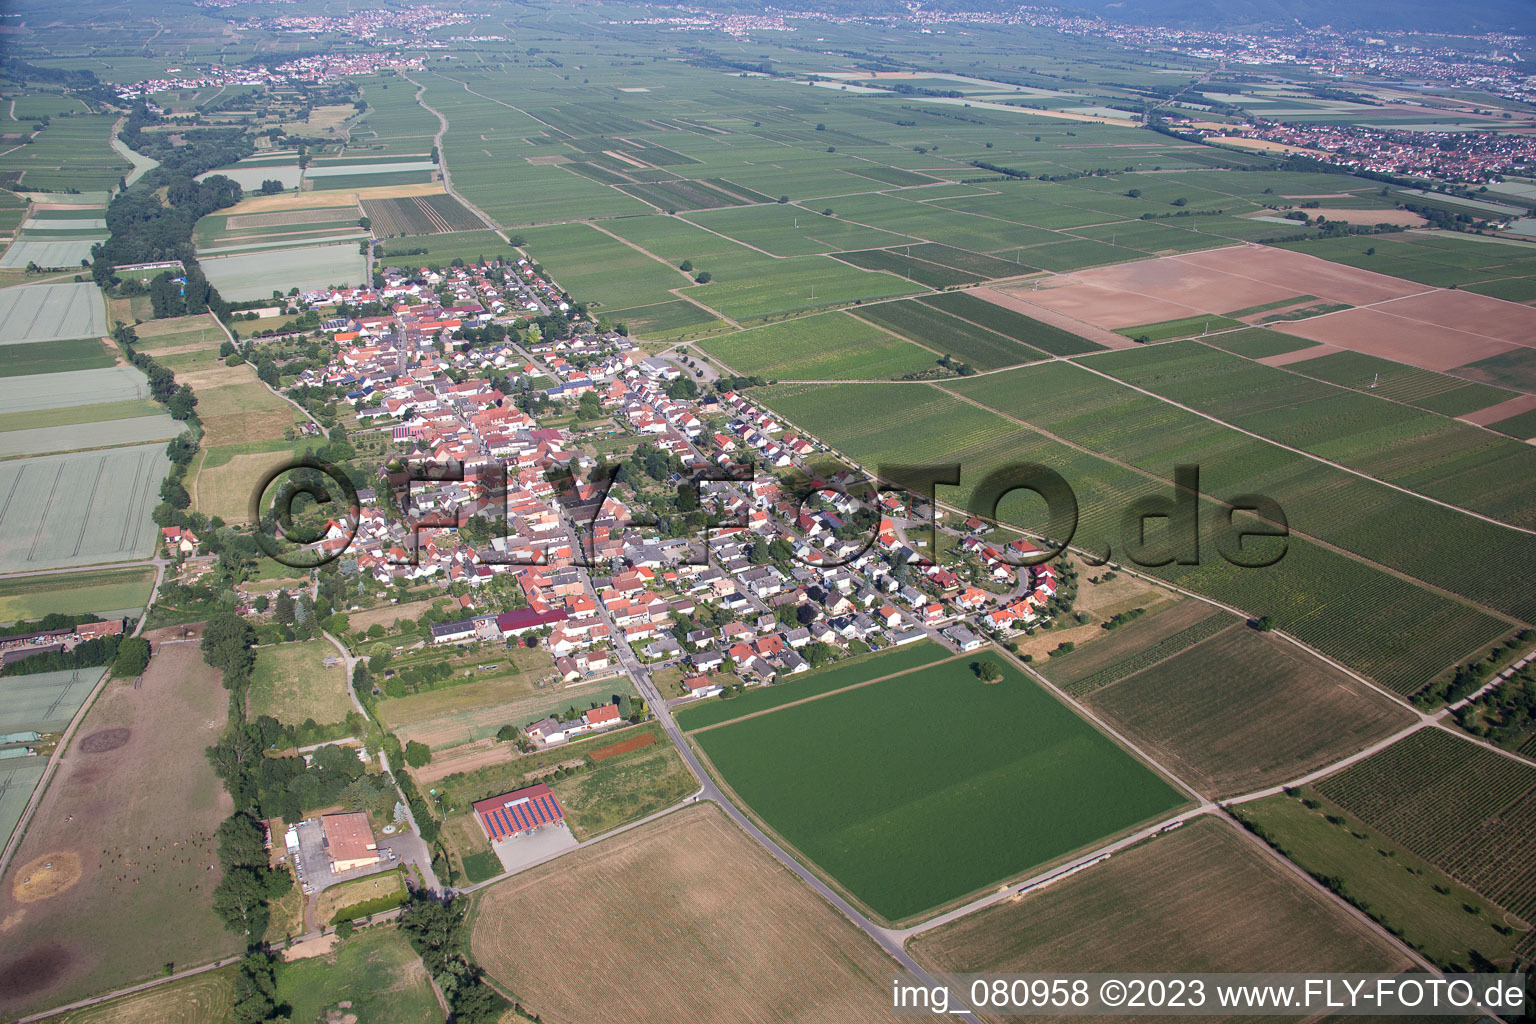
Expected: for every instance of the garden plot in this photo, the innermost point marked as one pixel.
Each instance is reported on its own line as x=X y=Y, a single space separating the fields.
x=257 y=275
x=80 y=509
x=50 y=312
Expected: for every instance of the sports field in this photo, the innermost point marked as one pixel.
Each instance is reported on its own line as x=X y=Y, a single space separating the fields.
x=79 y=509
x=945 y=785
x=48 y=312
x=1202 y=898
x=718 y=928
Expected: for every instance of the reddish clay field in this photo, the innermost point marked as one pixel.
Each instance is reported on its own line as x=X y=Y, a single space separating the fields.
x=624 y=747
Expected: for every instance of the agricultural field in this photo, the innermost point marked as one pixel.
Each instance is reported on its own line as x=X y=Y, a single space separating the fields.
x=1402 y=890
x=207 y=998
x=291 y=683
x=419 y=215
x=56 y=356
x=1111 y=655
x=1434 y=392
x=45 y=701
x=1257 y=343
x=257 y=275
x=637 y=903
x=51 y=312
x=824 y=346
x=70 y=153
x=941 y=332
x=236 y=407
x=1503 y=270
x=224 y=477
x=130 y=887
x=502 y=684
x=856 y=671
x=80 y=509
x=1244 y=710
x=916 y=819
x=1334 y=602
x=1183 y=327
x=1468 y=810
x=1023 y=329
x=1203 y=898
x=375 y=971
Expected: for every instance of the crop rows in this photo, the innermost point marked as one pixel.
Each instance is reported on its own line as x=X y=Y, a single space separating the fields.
x=1431 y=454
x=1165 y=648
x=1466 y=809
x=965 y=259
x=681 y=195
x=1023 y=329
x=896 y=262
x=981 y=348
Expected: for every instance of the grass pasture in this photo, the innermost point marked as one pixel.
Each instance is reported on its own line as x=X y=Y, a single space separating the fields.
x=291 y=683
x=824 y=346
x=686 y=898
x=376 y=971
x=1203 y=898
x=141 y=891
x=946 y=785
x=1244 y=710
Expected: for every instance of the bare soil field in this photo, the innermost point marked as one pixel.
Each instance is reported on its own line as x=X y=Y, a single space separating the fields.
x=337 y=197
x=1244 y=710
x=1376 y=332
x=1203 y=898
x=717 y=930
x=127 y=825
x=1501 y=411
x=1400 y=218
x=1213 y=281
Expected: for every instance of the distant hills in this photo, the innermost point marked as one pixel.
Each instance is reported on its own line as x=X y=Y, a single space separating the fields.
x=1423 y=15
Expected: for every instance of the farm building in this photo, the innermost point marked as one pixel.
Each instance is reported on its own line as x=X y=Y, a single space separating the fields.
x=349 y=841
x=512 y=813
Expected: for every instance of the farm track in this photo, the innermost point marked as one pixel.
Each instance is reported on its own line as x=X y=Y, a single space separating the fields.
x=442 y=160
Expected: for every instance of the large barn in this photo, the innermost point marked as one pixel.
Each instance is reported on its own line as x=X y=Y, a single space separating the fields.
x=511 y=813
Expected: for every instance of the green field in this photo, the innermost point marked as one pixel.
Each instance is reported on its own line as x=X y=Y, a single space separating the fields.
x=821 y=347
x=1338 y=604
x=375 y=970
x=1181 y=328
x=626 y=786
x=925 y=788
x=1257 y=343
x=967 y=342
x=810 y=684
x=1023 y=329
x=121 y=590
x=291 y=683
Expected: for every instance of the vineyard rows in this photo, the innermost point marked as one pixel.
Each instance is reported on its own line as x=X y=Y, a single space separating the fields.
x=1160 y=651
x=1466 y=809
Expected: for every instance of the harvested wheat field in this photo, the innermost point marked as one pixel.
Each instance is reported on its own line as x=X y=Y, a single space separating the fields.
x=1204 y=898
x=338 y=197
x=115 y=876
x=683 y=921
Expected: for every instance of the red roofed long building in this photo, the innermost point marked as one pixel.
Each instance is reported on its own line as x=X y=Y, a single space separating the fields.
x=511 y=813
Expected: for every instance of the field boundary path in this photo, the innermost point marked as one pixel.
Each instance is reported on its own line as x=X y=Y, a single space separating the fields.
x=442 y=157
x=307 y=415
